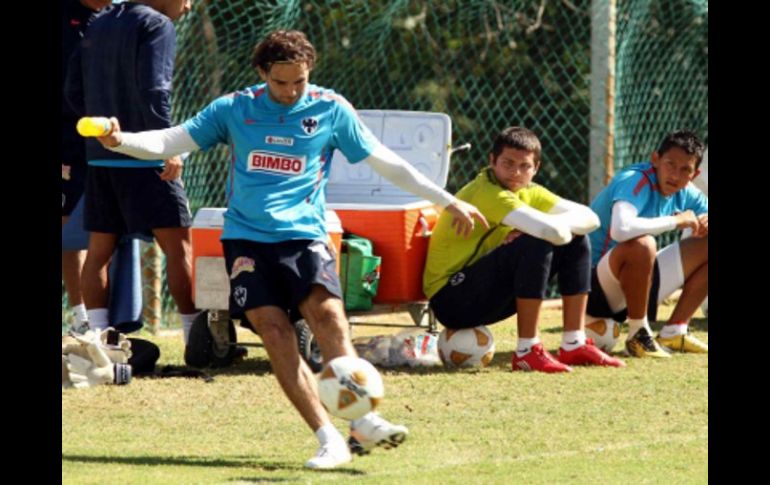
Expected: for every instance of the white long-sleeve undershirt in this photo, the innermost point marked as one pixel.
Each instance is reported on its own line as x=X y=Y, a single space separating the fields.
x=626 y=223
x=156 y=144
x=404 y=175
x=556 y=226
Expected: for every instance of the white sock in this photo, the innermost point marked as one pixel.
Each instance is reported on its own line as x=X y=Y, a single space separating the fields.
x=187 y=321
x=329 y=434
x=80 y=314
x=673 y=329
x=525 y=345
x=98 y=318
x=635 y=324
x=573 y=339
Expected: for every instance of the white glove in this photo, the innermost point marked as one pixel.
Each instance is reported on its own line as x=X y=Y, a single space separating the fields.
x=99 y=369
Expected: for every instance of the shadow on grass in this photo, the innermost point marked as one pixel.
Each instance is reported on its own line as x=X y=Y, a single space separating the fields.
x=235 y=462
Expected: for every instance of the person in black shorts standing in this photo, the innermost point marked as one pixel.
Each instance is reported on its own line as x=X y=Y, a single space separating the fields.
x=76 y=15
x=124 y=66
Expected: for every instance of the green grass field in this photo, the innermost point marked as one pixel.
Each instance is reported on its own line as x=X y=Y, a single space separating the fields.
x=646 y=423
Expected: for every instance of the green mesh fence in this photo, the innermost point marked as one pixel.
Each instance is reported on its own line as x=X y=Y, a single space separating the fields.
x=662 y=74
x=487 y=64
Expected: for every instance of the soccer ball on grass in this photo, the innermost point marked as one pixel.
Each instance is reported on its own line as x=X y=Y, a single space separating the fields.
x=350 y=387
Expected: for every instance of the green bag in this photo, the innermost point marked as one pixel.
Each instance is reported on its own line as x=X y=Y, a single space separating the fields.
x=360 y=272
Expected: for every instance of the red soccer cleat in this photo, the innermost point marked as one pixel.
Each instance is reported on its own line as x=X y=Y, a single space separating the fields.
x=588 y=354
x=538 y=360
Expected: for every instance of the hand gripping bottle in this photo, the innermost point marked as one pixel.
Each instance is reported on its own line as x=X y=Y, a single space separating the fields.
x=94 y=126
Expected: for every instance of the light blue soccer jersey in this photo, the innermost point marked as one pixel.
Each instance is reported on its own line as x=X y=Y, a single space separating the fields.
x=638 y=185
x=280 y=158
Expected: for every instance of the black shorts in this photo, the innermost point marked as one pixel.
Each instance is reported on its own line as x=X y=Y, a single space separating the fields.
x=599 y=307
x=126 y=200
x=73 y=180
x=277 y=274
x=486 y=291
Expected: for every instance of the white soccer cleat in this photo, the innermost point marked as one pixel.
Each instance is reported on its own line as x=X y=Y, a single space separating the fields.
x=329 y=456
x=372 y=431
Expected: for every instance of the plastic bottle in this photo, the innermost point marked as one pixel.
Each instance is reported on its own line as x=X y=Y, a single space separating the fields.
x=94 y=126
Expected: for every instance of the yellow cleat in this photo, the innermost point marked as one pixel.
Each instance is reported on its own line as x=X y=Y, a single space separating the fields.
x=643 y=345
x=684 y=343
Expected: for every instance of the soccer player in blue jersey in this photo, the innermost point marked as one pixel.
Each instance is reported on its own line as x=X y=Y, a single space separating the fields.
x=124 y=67
x=282 y=134
x=630 y=276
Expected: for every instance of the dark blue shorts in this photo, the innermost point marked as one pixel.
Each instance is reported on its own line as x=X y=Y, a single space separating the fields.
x=277 y=274
x=485 y=292
x=73 y=181
x=599 y=307
x=127 y=200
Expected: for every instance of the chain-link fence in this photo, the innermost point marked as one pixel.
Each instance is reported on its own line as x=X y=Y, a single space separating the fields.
x=487 y=64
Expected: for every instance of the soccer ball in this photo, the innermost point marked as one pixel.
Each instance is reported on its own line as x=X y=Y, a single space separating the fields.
x=350 y=387
x=467 y=347
x=604 y=333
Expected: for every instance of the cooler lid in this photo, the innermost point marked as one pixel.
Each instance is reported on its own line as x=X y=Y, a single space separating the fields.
x=422 y=138
x=209 y=218
x=214 y=218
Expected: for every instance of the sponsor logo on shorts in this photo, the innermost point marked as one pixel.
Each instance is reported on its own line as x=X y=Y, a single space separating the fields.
x=309 y=125
x=457 y=278
x=279 y=140
x=239 y=295
x=240 y=265
x=65 y=172
x=279 y=163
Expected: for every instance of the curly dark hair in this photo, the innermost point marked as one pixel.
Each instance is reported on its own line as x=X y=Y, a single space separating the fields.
x=686 y=140
x=290 y=46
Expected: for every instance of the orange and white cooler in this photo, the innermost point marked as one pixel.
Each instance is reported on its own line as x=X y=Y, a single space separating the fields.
x=211 y=285
x=397 y=222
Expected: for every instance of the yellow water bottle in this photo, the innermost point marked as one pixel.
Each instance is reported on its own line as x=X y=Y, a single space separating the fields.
x=94 y=126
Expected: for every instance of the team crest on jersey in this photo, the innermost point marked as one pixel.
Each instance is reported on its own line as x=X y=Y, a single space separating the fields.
x=279 y=140
x=278 y=163
x=240 y=265
x=310 y=125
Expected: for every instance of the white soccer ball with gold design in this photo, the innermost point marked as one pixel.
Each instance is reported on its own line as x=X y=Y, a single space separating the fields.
x=604 y=332
x=350 y=387
x=467 y=347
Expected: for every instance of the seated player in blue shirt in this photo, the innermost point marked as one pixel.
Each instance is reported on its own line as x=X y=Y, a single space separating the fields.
x=282 y=134
x=630 y=276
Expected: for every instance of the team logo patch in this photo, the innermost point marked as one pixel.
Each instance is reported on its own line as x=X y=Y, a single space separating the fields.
x=309 y=125
x=239 y=295
x=240 y=265
x=65 y=172
x=279 y=140
x=457 y=278
x=278 y=163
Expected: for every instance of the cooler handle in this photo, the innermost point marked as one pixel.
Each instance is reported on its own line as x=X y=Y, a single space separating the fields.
x=427 y=220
